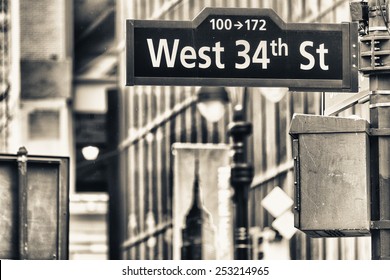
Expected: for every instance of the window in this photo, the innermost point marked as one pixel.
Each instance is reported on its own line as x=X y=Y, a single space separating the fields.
x=44 y=125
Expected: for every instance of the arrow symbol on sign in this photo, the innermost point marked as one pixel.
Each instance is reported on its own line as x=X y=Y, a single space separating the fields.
x=239 y=24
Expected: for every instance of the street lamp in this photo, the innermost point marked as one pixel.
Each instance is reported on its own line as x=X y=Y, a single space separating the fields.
x=211 y=102
x=241 y=171
x=90 y=152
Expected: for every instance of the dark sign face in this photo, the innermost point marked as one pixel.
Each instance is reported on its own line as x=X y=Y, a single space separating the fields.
x=242 y=47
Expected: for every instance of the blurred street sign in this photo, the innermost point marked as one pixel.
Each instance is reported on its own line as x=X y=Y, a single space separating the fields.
x=215 y=195
x=242 y=47
x=277 y=202
x=284 y=224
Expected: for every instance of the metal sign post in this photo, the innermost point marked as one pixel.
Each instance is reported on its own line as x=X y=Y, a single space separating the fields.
x=22 y=202
x=242 y=47
x=374 y=62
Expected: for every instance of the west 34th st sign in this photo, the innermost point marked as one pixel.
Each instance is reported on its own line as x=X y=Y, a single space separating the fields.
x=242 y=47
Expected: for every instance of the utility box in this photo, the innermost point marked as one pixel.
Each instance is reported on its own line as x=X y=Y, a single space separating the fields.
x=332 y=177
x=34 y=207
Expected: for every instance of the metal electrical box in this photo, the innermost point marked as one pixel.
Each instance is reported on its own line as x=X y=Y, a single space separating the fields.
x=332 y=178
x=34 y=207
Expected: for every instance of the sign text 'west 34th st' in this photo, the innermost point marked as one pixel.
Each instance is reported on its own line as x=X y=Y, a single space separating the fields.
x=242 y=47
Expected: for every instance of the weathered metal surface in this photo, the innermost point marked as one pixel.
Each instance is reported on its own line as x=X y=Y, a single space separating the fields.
x=22 y=203
x=9 y=209
x=34 y=225
x=334 y=177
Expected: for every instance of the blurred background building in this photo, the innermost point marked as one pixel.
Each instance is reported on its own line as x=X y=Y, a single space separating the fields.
x=9 y=75
x=62 y=90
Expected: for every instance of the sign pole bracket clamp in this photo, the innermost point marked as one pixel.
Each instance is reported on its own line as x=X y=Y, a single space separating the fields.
x=383 y=224
x=379 y=132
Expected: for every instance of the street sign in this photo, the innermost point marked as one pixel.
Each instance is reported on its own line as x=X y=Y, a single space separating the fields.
x=242 y=47
x=277 y=202
x=284 y=224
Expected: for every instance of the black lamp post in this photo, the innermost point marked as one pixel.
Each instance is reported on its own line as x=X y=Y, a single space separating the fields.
x=241 y=171
x=240 y=178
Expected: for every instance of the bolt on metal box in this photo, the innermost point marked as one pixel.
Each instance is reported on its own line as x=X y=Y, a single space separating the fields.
x=331 y=176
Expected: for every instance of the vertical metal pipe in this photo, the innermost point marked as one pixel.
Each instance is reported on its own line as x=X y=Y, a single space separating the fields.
x=240 y=179
x=380 y=146
x=380 y=187
x=115 y=206
x=22 y=203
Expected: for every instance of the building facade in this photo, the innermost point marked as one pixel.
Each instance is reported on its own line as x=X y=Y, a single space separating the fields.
x=155 y=117
x=9 y=76
x=60 y=92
